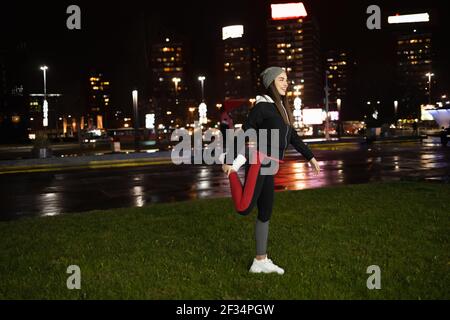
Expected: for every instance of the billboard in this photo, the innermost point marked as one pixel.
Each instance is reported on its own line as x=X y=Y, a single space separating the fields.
x=286 y=11
x=312 y=116
x=235 y=31
x=409 y=18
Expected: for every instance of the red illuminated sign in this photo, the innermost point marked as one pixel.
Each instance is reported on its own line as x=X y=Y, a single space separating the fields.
x=287 y=11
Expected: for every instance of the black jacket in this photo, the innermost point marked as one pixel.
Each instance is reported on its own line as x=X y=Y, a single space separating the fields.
x=265 y=115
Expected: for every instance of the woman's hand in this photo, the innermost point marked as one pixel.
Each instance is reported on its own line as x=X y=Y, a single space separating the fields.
x=227 y=169
x=314 y=162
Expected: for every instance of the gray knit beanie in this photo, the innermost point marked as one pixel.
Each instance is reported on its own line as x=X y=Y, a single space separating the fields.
x=270 y=74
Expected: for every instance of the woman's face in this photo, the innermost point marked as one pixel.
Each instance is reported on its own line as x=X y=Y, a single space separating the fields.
x=281 y=83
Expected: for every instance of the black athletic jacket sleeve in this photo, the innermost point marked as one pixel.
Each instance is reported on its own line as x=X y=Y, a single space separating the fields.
x=300 y=146
x=254 y=118
x=253 y=121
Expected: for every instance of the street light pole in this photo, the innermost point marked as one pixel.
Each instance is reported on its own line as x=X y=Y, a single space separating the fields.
x=136 y=120
x=45 y=103
x=202 y=79
x=176 y=81
x=327 y=134
x=429 y=75
x=339 y=102
x=44 y=69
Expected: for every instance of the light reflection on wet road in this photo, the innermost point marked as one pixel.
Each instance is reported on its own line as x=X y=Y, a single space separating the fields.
x=46 y=194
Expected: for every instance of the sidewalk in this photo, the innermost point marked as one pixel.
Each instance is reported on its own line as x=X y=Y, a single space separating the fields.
x=131 y=159
x=85 y=162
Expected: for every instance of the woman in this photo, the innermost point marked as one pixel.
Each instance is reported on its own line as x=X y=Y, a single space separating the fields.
x=271 y=111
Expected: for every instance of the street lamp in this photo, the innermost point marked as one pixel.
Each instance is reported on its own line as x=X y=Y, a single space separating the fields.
x=339 y=102
x=44 y=69
x=176 y=81
x=45 y=103
x=202 y=79
x=136 y=120
x=191 y=110
x=429 y=75
x=327 y=134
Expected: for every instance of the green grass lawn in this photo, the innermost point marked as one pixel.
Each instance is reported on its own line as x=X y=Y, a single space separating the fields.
x=324 y=238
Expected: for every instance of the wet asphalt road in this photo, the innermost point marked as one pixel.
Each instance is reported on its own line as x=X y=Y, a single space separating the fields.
x=46 y=194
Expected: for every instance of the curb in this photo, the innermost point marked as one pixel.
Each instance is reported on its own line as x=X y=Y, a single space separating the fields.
x=98 y=164
x=108 y=164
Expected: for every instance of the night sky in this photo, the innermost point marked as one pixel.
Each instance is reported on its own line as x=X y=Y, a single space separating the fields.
x=114 y=37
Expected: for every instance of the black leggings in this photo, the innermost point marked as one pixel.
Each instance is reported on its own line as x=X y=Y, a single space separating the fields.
x=263 y=196
x=258 y=190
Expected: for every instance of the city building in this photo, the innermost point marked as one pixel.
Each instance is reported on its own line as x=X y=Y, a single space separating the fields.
x=241 y=64
x=14 y=115
x=338 y=65
x=169 y=83
x=414 y=61
x=99 y=103
x=238 y=78
x=293 y=42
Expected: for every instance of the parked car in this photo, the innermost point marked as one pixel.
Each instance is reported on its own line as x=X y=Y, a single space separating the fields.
x=95 y=137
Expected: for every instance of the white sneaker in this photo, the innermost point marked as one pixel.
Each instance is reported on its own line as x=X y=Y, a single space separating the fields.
x=265 y=266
